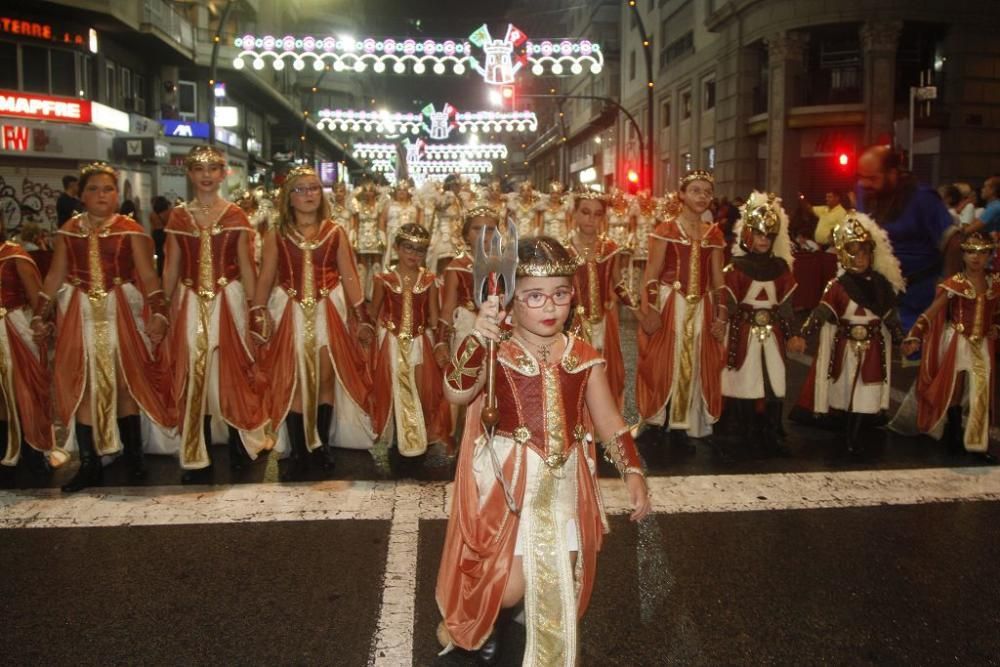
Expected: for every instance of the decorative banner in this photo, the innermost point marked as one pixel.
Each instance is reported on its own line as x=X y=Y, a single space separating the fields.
x=460 y=151
x=437 y=124
x=497 y=64
x=450 y=167
x=375 y=151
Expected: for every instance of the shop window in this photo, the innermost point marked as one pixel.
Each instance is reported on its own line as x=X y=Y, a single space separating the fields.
x=8 y=66
x=187 y=99
x=709 y=95
x=63 y=65
x=35 y=69
x=110 y=85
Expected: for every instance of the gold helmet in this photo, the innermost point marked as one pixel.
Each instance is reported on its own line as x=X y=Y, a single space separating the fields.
x=760 y=214
x=977 y=242
x=848 y=231
x=204 y=154
x=544 y=257
x=413 y=233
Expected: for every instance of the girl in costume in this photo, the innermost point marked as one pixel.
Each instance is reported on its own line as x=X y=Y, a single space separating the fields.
x=598 y=287
x=523 y=208
x=554 y=213
x=366 y=232
x=401 y=210
x=111 y=315
x=645 y=213
x=208 y=277
x=620 y=220
x=679 y=381
x=526 y=519
x=313 y=359
x=341 y=211
x=407 y=370
x=25 y=405
x=858 y=324
x=758 y=290
x=448 y=208
x=958 y=334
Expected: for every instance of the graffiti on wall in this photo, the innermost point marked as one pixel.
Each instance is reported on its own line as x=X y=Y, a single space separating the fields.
x=29 y=201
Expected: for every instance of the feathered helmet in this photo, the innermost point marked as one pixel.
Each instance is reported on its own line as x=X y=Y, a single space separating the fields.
x=525 y=187
x=204 y=154
x=544 y=257
x=858 y=228
x=763 y=213
x=556 y=188
x=403 y=185
x=413 y=233
x=977 y=242
x=669 y=206
x=481 y=206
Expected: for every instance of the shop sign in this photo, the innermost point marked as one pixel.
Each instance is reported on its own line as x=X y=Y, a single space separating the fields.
x=44 y=107
x=185 y=129
x=44 y=30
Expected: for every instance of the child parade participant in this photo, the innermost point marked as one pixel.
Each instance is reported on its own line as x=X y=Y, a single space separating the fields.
x=523 y=208
x=554 y=213
x=598 y=287
x=112 y=313
x=26 y=426
x=758 y=289
x=208 y=277
x=407 y=376
x=366 y=233
x=958 y=335
x=401 y=210
x=312 y=360
x=858 y=324
x=447 y=209
x=527 y=519
x=679 y=378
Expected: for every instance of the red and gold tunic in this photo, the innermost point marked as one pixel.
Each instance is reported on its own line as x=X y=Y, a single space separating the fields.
x=309 y=279
x=209 y=315
x=407 y=380
x=24 y=376
x=958 y=340
x=596 y=317
x=547 y=464
x=668 y=358
x=462 y=266
x=101 y=273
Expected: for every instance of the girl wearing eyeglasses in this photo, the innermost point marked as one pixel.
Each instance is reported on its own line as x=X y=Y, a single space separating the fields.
x=408 y=401
x=599 y=287
x=112 y=316
x=526 y=517
x=313 y=329
x=208 y=276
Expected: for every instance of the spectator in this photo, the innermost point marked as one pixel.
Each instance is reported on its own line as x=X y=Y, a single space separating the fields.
x=157 y=225
x=952 y=198
x=917 y=222
x=67 y=205
x=829 y=216
x=989 y=220
x=128 y=208
x=802 y=225
x=967 y=206
x=35 y=242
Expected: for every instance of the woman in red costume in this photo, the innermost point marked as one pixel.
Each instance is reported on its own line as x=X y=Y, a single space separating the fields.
x=313 y=360
x=407 y=376
x=526 y=518
x=598 y=285
x=958 y=334
x=111 y=315
x=26 y=426
x=679 y=381
x=208 y=275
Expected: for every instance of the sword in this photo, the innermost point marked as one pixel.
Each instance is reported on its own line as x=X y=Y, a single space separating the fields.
x=495 y=263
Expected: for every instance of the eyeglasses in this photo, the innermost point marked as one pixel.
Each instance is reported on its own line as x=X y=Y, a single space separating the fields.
x=535 y=299
x=307 y=189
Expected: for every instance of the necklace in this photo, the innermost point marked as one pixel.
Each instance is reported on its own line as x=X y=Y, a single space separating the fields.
x=541 y=349
x=92 y=226
x=204 y=209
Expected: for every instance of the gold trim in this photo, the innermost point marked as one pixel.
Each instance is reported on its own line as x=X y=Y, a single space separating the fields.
x=309 y=382
x=193 y=446
x=10 y=401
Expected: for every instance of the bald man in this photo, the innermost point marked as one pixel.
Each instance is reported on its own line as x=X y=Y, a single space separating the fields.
x=919 y=226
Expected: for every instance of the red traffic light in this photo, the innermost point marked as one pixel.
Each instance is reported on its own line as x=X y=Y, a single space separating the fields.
x=633 y=176
x=507 y=92
x=843 y=159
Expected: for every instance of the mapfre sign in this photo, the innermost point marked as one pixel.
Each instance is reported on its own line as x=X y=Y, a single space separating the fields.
x=44 y=107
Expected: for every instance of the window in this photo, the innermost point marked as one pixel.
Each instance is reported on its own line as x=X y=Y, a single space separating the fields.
x=631 y=66
x=667 y=176
x=685 y=105
x=709 y=98
x=110 y=87
x=187 y=99
x=687 y=162
x=139 y=94
x=35 y=69
x=708 y=157
x=126 y=87
x=8 y=66
x=665 y=114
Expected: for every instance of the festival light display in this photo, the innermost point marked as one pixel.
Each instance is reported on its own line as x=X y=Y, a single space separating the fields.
x=450 y=167
x=375 y=151
x=437 y=124
x=379 y=122
x=421 y=150
x=497 y=61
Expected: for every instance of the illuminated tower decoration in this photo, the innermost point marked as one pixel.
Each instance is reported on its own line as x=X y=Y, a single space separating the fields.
x=500 y=62
x=441 y=122
x=437 y=124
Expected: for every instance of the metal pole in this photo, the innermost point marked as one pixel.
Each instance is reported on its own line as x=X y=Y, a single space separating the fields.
x=913 y=94
x=648 y=181
x=213 y=68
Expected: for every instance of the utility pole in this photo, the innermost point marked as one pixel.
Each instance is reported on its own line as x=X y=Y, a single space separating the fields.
x=648 y=56
x=213 y=68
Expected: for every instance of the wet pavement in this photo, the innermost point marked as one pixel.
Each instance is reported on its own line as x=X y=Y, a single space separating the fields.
x=807 y=559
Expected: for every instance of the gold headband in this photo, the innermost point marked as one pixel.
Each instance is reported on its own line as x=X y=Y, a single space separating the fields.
x=99 y=168
x=976 y=242
x=482 y=210
x=698 y=175
x=204 y=155
x=548 y=268
x=592 y=195
x=415 y=234
x=301 y=170
x=555 y=187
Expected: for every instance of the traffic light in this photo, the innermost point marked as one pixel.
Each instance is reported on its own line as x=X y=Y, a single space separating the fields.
x=632 y=176
x=842 y=160
x=508 y=96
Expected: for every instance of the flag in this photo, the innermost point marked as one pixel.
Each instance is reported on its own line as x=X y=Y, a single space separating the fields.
x=480 y=36
x=427 y=110
x=514 y=35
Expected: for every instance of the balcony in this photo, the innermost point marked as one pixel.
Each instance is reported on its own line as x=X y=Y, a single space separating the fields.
x=161 y=19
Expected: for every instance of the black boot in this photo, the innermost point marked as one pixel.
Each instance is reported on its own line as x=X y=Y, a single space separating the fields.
x=954 y=436
x=130 y=432
x=680 y=441
x=774 y=436
x=489 y=652
x=202 y=475
x=298 y=461
x=855 y=421
x=37 y=464
x=238 y=457
x=7 y=473
x=324 y=418
x=90 y=473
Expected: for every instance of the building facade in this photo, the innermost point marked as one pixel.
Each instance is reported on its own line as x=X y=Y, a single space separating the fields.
x=784 y=94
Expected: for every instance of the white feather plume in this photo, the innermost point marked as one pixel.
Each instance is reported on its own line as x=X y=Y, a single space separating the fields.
x=782 y=245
